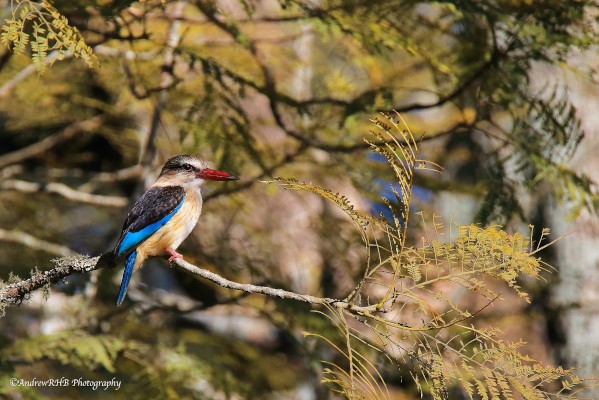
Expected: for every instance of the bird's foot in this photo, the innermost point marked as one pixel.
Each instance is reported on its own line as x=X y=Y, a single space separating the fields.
x=173 y=255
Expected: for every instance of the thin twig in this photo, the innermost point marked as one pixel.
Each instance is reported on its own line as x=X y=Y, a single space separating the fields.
x=560 y=237
x=35 y=243
x=273 y=292
x=125 y=174
x=64 y=191
x=47 y=143
x=275 y=98
x=29 y=70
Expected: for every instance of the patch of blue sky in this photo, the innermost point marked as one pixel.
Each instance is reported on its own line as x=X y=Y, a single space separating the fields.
x=420 y=194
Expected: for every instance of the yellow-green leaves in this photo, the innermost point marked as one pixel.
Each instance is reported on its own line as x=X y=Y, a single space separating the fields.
x=51 y=36
x=426 y=322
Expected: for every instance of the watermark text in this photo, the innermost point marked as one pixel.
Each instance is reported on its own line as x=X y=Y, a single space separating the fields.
x=113 y=384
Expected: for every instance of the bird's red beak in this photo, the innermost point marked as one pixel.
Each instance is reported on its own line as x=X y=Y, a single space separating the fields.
x=214 y=175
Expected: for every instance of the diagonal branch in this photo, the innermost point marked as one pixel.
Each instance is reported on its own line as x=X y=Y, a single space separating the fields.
x=64 y=191
x=47 y=143
x=15 y=293
x=34 y=243
x=29 y=70
x=272 y=292
x=125 y=174
x=276 y=98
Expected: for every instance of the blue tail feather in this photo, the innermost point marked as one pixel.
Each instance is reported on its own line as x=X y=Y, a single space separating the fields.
x=126 y=277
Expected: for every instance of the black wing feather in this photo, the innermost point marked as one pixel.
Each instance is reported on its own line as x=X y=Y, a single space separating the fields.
x=151 y=207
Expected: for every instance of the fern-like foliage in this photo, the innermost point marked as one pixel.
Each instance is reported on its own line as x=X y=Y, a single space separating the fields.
x=76 y=348
x=551 y=142
x=361 y=379
x=147 y=370
x=421 y=325
x=40 y=27
x=544 y=136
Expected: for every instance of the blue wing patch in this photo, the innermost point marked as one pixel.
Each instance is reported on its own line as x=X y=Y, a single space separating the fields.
x=148 y=215
x=132 y=239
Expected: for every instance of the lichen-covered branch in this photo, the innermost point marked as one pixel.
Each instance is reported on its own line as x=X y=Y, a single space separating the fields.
x=15 y=293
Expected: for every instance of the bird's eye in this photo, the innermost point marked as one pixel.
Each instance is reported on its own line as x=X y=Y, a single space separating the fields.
x=187 y=167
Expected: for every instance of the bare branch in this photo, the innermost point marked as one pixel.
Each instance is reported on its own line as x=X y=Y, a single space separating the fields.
x=11 y=171
x=167 y=80
x=14 y=293
x=273 y=292
x=276 y=98
x=50 y=141
x=35 y=243
x=64 y=191
x=125 y=174
x=30 y=69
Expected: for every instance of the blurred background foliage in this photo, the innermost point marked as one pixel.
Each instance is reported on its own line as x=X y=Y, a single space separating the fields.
x=266 y=88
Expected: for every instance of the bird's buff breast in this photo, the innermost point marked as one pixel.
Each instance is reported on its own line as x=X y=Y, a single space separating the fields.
x=176 y=230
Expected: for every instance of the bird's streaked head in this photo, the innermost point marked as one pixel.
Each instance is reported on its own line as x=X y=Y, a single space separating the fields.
x=186 y=170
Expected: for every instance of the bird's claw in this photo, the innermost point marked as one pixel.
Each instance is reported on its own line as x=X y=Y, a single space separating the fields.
x=173 y=255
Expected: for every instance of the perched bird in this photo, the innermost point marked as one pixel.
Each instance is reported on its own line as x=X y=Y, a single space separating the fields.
x=163 y=216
